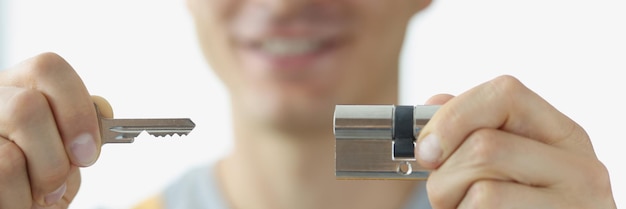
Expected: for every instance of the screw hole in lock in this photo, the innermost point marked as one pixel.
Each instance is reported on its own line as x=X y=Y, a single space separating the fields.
x=404 y=168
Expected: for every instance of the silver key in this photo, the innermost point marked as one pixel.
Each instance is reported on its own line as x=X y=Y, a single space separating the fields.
x=125 y=130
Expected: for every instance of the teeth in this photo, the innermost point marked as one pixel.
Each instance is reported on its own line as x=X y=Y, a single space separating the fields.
x=289 y=47
x=168 y=134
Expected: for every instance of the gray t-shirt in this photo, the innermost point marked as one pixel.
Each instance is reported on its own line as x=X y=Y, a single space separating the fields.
x=198 y=189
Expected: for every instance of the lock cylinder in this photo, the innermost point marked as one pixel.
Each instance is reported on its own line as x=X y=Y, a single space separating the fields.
x=378 y=141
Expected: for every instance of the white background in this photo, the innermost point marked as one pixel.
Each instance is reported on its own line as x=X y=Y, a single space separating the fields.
x=142 y=56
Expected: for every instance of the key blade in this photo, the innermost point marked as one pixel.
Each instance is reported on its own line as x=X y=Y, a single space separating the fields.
x=125 y=130
x=166 y=133
x=170 y=131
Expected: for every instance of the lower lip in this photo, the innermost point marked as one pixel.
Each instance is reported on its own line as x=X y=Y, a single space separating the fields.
x=299 y=62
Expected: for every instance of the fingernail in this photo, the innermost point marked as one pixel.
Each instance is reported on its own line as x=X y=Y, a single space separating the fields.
x=56 y=195
x=84 y=149
x=429 y=150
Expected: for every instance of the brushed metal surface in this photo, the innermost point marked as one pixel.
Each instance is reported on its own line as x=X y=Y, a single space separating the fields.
x=371 y=159
x=364 y=121
x=364 y=143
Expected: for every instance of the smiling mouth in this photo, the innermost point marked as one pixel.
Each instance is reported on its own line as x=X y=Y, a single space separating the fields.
x=291 y=54
x=304 y=41
x=291 y=47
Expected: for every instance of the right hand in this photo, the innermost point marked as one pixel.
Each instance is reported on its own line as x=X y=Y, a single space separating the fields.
x=48 y=129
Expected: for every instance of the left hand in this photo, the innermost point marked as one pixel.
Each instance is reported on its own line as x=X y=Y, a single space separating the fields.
x=500 y=145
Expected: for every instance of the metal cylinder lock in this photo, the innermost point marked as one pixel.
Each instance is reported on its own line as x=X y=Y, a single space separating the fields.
x=378 y=141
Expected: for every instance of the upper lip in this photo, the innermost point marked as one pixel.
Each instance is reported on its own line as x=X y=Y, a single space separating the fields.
x=250 y=31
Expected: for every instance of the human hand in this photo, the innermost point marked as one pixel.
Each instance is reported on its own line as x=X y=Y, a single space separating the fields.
x=48 y=128
x=500 y=145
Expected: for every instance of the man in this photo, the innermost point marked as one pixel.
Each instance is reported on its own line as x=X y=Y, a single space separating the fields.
x=286 y=64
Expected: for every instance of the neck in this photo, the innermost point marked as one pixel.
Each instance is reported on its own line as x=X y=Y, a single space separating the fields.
x=270 y=168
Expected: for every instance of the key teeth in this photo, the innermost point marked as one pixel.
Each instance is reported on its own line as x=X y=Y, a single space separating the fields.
x=169 y=134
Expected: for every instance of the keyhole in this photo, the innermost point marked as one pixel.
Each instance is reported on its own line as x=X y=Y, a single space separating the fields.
x=404 y=168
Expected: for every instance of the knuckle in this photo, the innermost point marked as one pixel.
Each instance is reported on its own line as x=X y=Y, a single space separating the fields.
x=507 y=82
x=483 y=147
x=46 y=64
x=436 y=196
x=598 y=175
x=12 y=161
x=482 y=194
x=506 y=86
x=24 y=106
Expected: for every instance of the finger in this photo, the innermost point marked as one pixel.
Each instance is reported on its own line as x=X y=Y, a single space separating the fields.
x=439 y=99
x=491 y=154
x=502 y=103
x=489 y=194
x=14 y=186
x=73 y=184
x=29 y=123
x=69 y=101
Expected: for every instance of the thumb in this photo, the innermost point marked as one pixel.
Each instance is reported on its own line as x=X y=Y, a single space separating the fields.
x=439 y=99
x=103 y=106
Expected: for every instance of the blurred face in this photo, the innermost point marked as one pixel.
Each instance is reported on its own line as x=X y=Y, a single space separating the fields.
x=287 y=63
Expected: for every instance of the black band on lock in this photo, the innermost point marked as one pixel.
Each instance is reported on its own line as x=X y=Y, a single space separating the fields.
x=403 y=137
